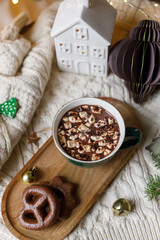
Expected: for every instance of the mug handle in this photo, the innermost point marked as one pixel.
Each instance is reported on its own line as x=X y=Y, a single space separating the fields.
x=133 y=137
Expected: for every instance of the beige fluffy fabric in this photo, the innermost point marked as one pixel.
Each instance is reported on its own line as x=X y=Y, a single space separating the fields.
x=12 y=54
x=28 y=84
x=13 y=47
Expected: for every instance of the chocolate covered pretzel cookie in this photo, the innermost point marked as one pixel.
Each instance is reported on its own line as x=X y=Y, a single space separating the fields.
x=41 y=207
x=46 y=202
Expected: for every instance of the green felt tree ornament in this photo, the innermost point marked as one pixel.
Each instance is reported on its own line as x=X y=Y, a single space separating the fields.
x=9 y=108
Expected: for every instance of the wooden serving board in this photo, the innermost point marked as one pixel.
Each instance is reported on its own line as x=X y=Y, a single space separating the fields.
x=91 y=183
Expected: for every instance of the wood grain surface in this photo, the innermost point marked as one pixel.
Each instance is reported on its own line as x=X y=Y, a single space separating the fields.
x=91 y=183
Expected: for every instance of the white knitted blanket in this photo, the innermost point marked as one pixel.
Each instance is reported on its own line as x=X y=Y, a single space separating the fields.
x=143 y=223
x=24 y=79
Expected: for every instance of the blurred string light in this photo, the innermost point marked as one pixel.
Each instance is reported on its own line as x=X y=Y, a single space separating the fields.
x=132 y=5
x=156 y=4
x=15 y=1
x=110 y=1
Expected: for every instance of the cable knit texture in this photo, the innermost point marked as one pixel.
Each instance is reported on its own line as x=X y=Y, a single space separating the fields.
x=99 y=223
x=30 y=81
x=13 y=47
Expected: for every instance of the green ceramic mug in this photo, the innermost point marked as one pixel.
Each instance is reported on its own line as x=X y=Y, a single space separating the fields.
x=134 y=135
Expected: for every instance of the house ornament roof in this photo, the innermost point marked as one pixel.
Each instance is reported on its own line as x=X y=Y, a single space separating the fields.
x=100 y=16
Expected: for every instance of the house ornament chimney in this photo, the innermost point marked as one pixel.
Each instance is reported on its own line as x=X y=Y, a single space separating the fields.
x=85 y=3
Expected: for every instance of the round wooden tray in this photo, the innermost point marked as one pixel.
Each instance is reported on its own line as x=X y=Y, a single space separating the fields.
x=91 y=182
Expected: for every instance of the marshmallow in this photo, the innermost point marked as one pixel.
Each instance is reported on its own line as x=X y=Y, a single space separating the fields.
x=81 y=150
x=93 y=149
x=109 y=145
x=97 y=138
x=74 y=119
x=96 y=109
x=63 y=141
x=71 y=143
x=100 y=123
x=78 y=144
x=71 y=113
x=83 y=128
x=102 y=143
x=88 y=124
x=72 y=153
x=73 y=137
x=110 y=121
x=110 y=133
x=115 y=142
x=91 y=119
x=107 y=152
x=115 y=135
x=100 y=150
x=65 y=119
x=78 y=156
x=62 y=132
x=67 y=125
x=82 y=136
x=83 y=114
x=95 y=157
x=85 y=107
x=104 y=134
x=71 y=131
x=87 y=148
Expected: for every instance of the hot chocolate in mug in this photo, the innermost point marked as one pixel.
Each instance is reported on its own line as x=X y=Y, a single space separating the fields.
x=129 y=136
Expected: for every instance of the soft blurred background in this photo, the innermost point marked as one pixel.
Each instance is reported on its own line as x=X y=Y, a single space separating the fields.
x=11 y=8
x=144 y=9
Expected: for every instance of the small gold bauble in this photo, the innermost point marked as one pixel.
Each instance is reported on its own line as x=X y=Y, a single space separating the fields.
x=121 y=207
x=29 y=176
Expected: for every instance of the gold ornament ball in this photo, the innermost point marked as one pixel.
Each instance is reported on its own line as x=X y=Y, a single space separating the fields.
x=121 y=207
x=29 y=176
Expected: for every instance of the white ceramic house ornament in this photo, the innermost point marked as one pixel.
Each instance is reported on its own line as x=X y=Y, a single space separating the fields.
x=83 y=32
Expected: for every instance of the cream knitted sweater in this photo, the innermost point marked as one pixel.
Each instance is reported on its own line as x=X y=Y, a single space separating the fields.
x=143 y=223
x=24 y=80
